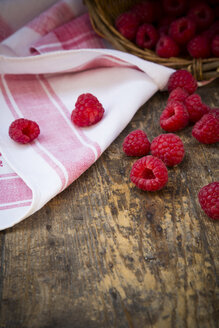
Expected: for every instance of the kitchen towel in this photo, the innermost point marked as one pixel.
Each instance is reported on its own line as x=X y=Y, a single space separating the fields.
x=48 y=57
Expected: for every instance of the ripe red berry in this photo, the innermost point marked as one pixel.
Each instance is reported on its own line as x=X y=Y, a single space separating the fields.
x=175 y=8
x=164 y=24
x=215 y=110
x=199 y=47
x=183 y=79
x=212 y=31
x=182 y=30
x=136 y=143
x=206 y=130
x=178 y=94
x=149 y=173
x=88 y=110
x=163 y=30
x=202 y=15
x=174 y=117
x=195 y=108
x=215 y=46
x=209 y=199
x=145 y=11
x=127 y=24
x=166 y=47
x=23 y=130
x=169 y=148
x=146 y=36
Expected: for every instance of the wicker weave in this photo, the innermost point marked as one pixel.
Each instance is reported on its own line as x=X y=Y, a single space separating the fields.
x=103 y=14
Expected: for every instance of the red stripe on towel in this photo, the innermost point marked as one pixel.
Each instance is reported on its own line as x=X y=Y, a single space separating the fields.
x=7 y=175
x=8 y=207
x=34 y=145
x=53 y=17
x=56 y=136
x=13 y=190
x=66 y=113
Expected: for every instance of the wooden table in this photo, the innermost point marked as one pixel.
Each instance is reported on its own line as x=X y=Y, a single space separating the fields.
x=106 y=254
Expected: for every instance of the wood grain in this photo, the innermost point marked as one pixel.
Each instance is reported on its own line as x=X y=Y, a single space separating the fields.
x=106 y=254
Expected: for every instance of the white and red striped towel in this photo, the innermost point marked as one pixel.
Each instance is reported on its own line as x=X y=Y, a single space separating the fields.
x=49 y=55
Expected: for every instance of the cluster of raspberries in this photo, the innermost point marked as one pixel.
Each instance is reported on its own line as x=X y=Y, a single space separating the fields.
x=88 y=111
x=173 y=28
x=184 y=106
x=150 y=171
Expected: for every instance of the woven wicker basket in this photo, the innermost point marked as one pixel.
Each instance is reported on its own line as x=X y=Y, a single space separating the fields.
x=103 y=14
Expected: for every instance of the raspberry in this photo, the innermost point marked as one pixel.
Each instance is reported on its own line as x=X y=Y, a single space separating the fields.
x=23 y=130
x=182 y=79
x=149 y=173
x=127 y=24
x=136 y=143
x=215 y=46
x=206 y=130
x=88 y=110
x=166 y=47
x=146 y=36
x=195 y=108
x=174 y=117
x=145 y=11
x=208 y=197
x=178 y=94
x=163 y=25
x=169 y=148
x=202 y=15
x=215 y=110
x=212 y=31
x=182 y=30
x=175 y=8
x=163 y=30
x=199 y=47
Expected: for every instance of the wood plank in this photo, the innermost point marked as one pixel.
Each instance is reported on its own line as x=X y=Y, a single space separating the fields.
x=106 y=254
